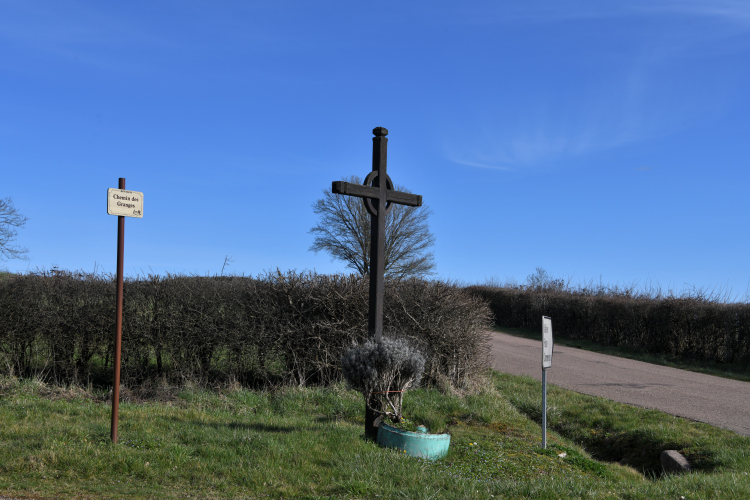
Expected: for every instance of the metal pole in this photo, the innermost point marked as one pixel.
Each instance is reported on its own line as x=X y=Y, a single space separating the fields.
x=118 y=321
x=544 y=408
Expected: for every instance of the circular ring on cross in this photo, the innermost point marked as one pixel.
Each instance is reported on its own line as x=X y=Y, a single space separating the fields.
x=369 y=205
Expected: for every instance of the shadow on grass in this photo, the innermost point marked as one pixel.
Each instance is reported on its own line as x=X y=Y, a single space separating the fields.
x=263 y=427
x=332 y=419
x=279 y=429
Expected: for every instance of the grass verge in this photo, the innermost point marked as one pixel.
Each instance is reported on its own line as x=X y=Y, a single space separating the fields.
x=735 y=371
x=309 y=443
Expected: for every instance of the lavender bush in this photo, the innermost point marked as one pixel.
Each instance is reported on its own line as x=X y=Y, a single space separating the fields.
x=382 y=371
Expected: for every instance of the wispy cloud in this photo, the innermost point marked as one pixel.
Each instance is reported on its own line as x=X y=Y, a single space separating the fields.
x=728 y=11
x=480 y=165
x=652 y=92
x=74 y=24
x=126 y=38
x=80 y=33
x=491 y=12
x=550 y=135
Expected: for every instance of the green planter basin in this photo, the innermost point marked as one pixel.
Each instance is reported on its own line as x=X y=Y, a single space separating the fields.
x=415 y=444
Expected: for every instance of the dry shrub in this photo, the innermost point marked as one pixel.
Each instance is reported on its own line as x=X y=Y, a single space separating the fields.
x=692 y=326
x=265 y=331
x=381 y=371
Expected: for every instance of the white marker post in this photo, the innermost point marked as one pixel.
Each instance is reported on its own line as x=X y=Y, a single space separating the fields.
x=546 y=363
x=122 y=204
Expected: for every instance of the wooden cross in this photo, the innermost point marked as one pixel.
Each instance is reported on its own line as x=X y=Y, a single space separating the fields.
x=378 y=196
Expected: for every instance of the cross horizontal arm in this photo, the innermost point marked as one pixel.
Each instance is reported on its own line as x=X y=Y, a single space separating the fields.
x=341 y=187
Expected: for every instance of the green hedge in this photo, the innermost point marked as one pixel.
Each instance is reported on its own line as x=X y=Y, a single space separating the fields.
x=274 y=329
x=692 y=327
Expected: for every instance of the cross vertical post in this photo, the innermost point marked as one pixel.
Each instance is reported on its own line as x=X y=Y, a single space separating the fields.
x=377 y=234
x=378 y=195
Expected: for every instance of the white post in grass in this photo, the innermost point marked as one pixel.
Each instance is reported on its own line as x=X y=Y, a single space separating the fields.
x=546 y=363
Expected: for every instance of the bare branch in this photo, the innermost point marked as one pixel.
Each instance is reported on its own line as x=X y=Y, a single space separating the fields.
x=10 y=221
x=343 y=230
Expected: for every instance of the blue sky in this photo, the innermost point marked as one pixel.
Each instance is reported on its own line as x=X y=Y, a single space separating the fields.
x=598 y=140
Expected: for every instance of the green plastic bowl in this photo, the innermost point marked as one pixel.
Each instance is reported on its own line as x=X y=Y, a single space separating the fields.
x=415 y=444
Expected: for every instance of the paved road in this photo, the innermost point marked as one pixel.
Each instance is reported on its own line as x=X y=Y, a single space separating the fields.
x=717 y=401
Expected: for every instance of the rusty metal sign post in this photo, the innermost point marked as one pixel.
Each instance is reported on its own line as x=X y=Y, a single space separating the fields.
x=378 y=195
x=122 y=204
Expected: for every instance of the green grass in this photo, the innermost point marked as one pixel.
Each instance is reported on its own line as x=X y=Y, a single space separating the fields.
x=309 y=443
x=735 y=371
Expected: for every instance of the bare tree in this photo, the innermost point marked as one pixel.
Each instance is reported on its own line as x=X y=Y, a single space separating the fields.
x=10 y=220
x=542 y=280
x=343 y=230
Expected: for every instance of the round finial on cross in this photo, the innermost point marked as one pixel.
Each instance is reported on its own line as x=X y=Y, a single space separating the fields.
x=380 y=131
